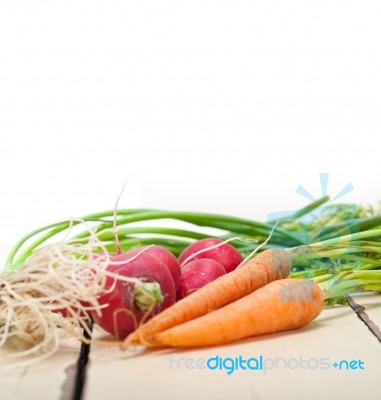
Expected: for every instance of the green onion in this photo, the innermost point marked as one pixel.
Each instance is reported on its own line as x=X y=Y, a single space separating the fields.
x=338 y=246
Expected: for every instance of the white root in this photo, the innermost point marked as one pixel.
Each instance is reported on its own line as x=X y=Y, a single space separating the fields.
x=61 y=276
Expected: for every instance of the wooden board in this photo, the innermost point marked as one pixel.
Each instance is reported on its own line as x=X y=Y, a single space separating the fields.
x=335 y=336
x=50 y=379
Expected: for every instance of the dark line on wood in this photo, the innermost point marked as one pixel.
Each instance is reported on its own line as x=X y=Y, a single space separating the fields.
x=80 y=376
x=363 y=316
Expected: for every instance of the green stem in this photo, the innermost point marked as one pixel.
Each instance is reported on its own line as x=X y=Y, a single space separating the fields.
x=232 y=224
x=175 y=246
x=109 y=235
x=305 y=210
x=356 y=274
x=376 y=287
x=11 y=257
x=353 y=225
x=347 y=238
x=54 y=228
x=147 y=295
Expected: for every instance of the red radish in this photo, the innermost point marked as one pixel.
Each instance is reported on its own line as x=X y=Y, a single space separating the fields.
x=67 y=313
x=227 y=255
x=166 y=257
x=129 y=303
x=197 y=274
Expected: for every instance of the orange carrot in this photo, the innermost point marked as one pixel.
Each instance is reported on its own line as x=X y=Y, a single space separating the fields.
x=266 y=267
x=279 y=306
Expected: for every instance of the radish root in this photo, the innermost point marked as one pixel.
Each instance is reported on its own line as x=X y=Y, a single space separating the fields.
x=62 y=277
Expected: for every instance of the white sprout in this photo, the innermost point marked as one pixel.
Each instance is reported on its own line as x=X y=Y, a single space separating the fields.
x=65 y=276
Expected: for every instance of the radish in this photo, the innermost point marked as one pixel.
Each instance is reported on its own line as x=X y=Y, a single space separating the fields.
x=197 y=274
x=166 y=257
x=225 y=254
x=128 y=303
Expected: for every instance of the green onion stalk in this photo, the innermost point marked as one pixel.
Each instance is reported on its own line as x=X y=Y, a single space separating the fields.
x=336 y=245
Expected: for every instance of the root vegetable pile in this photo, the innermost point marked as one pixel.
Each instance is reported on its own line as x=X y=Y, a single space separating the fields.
x=165 y=286
x=279 y=306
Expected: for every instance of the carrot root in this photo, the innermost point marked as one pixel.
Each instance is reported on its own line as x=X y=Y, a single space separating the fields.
x=279 y=306
x=266 y=267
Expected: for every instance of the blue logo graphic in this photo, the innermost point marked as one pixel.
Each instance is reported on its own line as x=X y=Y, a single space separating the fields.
x=262 y=364
x=324 y=185
x=349 y=364
x=302 y=191
x=329 y=220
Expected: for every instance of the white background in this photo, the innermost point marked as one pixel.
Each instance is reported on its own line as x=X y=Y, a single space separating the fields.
x=222 y=106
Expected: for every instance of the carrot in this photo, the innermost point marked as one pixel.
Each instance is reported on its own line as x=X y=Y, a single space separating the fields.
x=266 y=267
x=279 y=306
